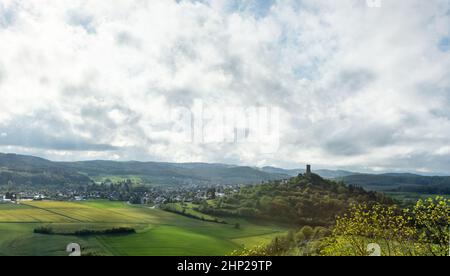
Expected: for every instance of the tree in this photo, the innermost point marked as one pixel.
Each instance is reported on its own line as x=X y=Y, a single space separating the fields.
x=307 y=232
x=211 y=193
x=420 y=231
x=431 y=219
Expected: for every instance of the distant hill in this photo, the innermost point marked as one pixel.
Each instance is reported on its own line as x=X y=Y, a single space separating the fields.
x=30 y=170
x=174 y=173
x=293 y=172
x=401 y=182
x=329 y=174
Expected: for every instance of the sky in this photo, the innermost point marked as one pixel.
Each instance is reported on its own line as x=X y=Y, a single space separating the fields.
x=345 y=84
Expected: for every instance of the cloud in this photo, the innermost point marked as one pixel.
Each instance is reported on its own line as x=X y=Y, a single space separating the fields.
x=2 y=74
x=43 y=130
x=357 y=87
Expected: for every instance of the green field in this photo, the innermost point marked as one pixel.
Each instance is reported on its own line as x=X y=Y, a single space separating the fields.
x=189 y=209
x=158 y=232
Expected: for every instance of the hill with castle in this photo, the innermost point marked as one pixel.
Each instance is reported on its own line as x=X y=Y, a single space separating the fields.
x=307 y=199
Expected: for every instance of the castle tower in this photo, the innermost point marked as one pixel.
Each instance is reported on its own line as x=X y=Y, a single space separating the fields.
x=308 y=169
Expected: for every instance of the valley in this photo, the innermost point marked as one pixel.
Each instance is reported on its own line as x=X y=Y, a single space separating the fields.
x=157 y=232
x=197 y=209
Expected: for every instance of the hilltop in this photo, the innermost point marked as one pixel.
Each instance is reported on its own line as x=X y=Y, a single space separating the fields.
x=329 y=174
x=306 y=199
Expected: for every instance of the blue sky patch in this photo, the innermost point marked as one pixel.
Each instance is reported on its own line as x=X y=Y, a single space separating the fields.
x=259 y=8
x=7 y=17
x=444 y=44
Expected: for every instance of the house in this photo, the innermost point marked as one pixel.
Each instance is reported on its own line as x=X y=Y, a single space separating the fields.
x=38 y=197
x=3 y=199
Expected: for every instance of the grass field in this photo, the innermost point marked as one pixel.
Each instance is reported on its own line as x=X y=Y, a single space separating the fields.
x=158 y=232
x=189 y=209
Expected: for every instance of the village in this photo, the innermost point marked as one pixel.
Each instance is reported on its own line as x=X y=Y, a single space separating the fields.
x=126 y=192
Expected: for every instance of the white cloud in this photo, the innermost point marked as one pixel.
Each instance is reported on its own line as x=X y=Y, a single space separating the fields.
x=357 y=87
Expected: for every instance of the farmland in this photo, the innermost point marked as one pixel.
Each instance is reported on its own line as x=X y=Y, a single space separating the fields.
x=157 y=232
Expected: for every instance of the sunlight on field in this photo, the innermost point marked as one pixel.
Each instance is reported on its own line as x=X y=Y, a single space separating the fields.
x=22 y=213
x=157 y=232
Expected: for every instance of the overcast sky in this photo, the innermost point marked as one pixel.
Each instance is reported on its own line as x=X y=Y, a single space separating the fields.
x=347 y=84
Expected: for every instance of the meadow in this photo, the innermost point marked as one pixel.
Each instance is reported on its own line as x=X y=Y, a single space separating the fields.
x=158 y=233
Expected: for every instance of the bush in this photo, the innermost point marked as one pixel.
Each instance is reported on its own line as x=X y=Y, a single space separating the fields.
x=43 y=230
x=119 y=230
x=423 y=230
x=307 y=232
x=85 y=232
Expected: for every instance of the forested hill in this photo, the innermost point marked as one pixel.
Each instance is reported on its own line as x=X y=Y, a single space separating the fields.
x=302 y=200
x=30 y=170
x=401 y=182
x=176 y=173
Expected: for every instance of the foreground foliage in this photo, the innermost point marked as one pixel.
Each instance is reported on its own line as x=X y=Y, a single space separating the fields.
x=305 y=242
x=420 y=231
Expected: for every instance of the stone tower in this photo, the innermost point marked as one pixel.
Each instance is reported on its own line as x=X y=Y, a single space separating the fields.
x=308 y=169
